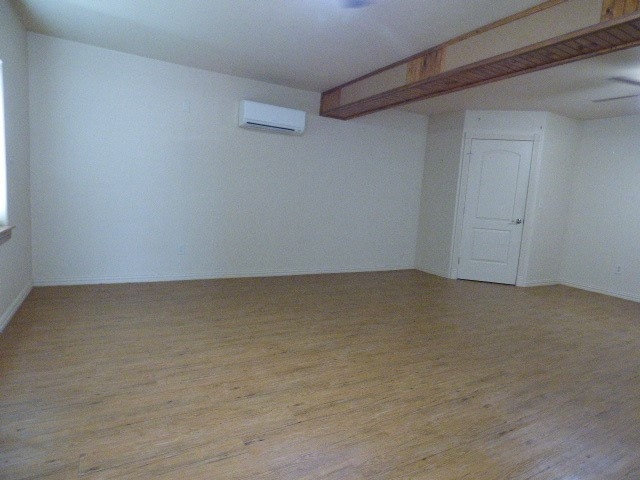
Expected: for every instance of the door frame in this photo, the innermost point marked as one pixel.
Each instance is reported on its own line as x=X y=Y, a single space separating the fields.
x=532 y=194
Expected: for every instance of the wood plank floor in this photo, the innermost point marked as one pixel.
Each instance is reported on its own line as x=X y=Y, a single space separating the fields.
x=396 y=375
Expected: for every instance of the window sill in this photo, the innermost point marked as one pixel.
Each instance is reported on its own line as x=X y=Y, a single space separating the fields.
x=5 y=233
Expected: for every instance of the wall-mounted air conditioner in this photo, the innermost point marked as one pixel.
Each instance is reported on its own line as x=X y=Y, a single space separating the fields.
x=271 y=118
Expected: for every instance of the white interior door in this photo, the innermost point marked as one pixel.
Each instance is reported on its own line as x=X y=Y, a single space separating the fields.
x=494 y=210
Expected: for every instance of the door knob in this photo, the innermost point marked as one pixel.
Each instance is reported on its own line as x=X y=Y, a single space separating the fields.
x=517 y=221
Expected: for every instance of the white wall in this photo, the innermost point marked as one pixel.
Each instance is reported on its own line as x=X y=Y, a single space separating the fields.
x=547 y=208
x=504 y=122
x=550 y=202
x=604 y=222
x=134 y=160
x=582 y=217
x=439 y=220
x=15 y=254
x=438 y=202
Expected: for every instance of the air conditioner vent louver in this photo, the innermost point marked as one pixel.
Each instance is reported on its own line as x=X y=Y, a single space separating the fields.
x=271 y=118
x=271 y=127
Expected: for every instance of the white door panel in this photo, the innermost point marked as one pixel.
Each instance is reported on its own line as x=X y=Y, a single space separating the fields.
x=497 y=186
x=490 y=245
x=494 y=208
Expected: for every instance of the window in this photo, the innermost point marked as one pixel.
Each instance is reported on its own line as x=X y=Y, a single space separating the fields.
x=3 y=159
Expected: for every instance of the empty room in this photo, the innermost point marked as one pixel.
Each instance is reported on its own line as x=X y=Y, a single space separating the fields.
x=320 y=239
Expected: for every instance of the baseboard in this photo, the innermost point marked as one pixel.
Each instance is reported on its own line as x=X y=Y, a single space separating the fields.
x=589 y=288
x=433 y=272
x=13 y=308
x=50 y=282
x=539 y=283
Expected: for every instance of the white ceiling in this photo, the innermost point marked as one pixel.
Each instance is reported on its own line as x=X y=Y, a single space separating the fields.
x=319 y=44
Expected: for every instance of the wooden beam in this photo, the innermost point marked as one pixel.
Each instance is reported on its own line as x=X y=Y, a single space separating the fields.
x=425 y=66
x=330 y=100
x=427 y=77
x=617 y=8
x=408 y=62
x=504 y=21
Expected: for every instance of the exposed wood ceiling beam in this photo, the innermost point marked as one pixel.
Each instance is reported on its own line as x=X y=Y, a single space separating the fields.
x=434 y=72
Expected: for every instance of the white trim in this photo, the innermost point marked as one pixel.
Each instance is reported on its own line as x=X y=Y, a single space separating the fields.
x=530 y=210
x=433 y=272
x=610 y=293
x=65 y=281
x=494 y=135
x=539 y=283
x=5 y=233
x=461 y=194
x=13 y=308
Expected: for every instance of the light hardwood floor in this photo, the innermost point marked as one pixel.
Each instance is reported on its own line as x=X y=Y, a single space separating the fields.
x=396 y=375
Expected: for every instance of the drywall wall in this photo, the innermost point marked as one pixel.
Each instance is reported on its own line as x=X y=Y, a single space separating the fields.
x=139 y=172
x=504 y=122
x=548 y=217
x=603 y=228
x=547 y=205
x=439 y=190
x=581 y=226
x=15 y=254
